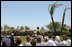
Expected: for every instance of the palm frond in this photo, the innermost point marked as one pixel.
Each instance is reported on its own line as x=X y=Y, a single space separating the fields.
x=53 y=7
x=49 y=7
x=66 y=9
x=58 y=5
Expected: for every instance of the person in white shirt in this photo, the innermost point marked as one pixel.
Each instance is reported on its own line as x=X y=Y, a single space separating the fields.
x=65 y=40
x=41 y=38
x=69 y=41
x=20 y=45
x=58 y=42
x=57 y=39
x=65 y=43
x=39 y=42
x=28 y=39
x=51 y=43
x=27 y=44
x=45 y=41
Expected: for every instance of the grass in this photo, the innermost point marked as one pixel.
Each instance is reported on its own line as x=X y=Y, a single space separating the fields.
x=23 y=39
x=67 y=37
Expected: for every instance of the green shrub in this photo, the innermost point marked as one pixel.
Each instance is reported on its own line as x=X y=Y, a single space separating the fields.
x=67 y=33
x=58 y=33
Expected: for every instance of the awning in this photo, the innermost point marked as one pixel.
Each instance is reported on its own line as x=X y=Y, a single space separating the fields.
x=69 y=28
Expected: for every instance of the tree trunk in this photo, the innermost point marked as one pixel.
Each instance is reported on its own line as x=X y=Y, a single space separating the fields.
x=63 y=22
x=53 y=23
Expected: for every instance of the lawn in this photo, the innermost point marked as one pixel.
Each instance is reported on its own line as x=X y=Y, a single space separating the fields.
x=23 y=39
x=67 y=37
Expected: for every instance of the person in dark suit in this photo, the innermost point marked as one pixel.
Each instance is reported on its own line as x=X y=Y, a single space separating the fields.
x=12 y=39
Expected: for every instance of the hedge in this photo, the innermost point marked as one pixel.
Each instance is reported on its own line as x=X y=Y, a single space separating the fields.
x=58 y=33
x=16 y=33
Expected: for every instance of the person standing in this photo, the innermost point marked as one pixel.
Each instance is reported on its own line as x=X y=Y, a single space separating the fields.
x=12 y=39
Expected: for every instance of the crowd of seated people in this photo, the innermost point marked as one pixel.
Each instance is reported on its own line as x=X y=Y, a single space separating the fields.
x=10 y=40
x=48 y=41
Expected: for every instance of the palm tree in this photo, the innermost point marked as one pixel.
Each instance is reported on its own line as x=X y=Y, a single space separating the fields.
x=6 y=27
x=27 y=28
x=1 y=28
x=12 y=28
x=63 y=18
x=52 y=8
x=17 y=28
x=57 y=26
x=21 y=28
x=42 y=30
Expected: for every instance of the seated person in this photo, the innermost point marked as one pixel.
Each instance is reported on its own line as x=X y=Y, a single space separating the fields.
x=28 y=39
x=50 y=37
x=41 y=37
x=69 y=42
x=19 y=42
x=51 y=43
x=33 y=42
x=45 y=41
x=64 y=41
x=57 y=39
x=39 y=42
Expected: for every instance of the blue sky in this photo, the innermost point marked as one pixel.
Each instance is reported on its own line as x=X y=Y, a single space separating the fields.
x=32 y=13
